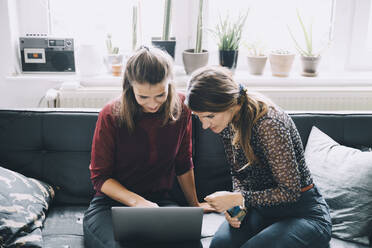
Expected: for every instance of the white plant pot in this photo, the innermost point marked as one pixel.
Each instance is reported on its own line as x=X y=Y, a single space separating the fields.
x=281 y=64
x=193 y=61
x=310 y=66
x=256 y=64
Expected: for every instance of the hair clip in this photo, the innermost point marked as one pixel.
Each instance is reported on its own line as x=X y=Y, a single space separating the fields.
x=242 y=90
x=145 y=47
x=242 y=94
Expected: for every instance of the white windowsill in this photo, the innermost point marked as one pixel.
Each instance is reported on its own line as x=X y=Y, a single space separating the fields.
x=326 y=80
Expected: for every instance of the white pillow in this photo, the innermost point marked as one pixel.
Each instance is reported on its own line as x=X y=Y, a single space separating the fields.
x=344 y=177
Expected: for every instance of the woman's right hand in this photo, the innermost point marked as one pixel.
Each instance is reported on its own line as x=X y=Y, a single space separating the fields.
x=143 y=203
x=233 y=221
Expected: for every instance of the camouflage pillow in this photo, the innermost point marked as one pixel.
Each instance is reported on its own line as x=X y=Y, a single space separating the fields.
x=23 y=204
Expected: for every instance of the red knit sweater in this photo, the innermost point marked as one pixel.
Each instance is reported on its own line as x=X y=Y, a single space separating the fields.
x=145 y=161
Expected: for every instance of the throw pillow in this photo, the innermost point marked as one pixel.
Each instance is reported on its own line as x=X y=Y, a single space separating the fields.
x=344 y=177
x=23 y=204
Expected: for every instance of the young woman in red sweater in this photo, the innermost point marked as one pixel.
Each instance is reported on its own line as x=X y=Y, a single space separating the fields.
x=141 y=142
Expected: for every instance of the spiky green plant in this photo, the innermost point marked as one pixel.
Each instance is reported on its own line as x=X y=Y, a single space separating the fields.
x=199 y=32
x=167 y=19
x=229 y=33
x=110 y=48
x=308 y=35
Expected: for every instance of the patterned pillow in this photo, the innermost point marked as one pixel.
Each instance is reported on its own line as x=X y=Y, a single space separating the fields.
x=23 y=204
x=344 y=176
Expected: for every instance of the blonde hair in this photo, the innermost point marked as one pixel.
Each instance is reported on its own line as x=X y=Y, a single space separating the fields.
x=212 y=89
x=152 y=66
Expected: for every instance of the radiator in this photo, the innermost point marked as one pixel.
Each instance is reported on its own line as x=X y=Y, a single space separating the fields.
x=88 y=97
x=320 y=98
x=289 y=98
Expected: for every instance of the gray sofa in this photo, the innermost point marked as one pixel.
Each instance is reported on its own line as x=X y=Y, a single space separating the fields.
x=54 y=146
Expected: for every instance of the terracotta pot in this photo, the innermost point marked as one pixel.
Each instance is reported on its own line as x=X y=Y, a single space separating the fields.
x=117 y=69
x=112 y=59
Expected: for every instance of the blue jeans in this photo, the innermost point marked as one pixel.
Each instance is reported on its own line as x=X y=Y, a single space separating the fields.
x=98 y=230
x=306 y=223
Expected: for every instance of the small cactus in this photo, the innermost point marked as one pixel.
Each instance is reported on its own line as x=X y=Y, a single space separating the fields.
x=167 y=19
x=134 y=27
x=281 y=51
x=199 y=33
x=110 y=49
x=255 y=48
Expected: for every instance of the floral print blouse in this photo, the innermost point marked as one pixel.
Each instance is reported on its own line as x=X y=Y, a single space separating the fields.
x=281 y=171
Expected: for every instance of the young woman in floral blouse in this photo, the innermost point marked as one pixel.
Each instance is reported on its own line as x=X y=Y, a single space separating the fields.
x=271 y=181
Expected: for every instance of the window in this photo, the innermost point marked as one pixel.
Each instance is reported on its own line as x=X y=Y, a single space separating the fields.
x=90 y=21
x=268 y=20
x=361 y=36
x=369 y=39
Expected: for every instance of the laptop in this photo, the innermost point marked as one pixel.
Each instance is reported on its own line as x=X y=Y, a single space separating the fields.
x=163 y=224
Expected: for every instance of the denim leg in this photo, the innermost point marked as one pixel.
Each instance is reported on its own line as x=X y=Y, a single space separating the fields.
x=97 y=225
x=292 y=232
x=229 y=237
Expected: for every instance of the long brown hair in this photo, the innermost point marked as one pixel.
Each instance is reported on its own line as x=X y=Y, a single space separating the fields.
x=148 y=65
x=212 y=89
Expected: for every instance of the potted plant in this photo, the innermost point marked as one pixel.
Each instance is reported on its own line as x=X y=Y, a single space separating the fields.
x=309 y=58
x=113 y=60
x=196 y=58
x=229 y=34
x=165 y=42
x=256 y=58
x=281 y=62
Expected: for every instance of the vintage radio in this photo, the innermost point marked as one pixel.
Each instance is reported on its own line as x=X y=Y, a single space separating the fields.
x=45 y=54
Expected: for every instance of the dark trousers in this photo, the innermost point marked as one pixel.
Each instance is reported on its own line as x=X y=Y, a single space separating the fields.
x=306 y=223
x=98 y=230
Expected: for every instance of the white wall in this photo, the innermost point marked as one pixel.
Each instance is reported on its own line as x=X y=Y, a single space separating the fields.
x=17 y=91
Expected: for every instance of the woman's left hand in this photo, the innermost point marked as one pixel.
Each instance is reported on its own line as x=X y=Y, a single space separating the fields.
x=207 y=208
x=223 y=200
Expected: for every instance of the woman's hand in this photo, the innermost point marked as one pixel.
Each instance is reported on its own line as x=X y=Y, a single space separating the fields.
x=234 y=222
x=223 y=200
x=143 y=203
x=206 y=207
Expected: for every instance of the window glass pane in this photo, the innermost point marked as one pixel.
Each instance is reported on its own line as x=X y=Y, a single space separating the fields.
x=268 y=20
x=89 y=21
x=369 y=37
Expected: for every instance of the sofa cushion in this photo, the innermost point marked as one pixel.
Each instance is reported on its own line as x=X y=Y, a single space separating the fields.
x=63 y=227
x=212 y=171
x=53 y=146
x=343 y=175
x=338 y=243
x=23 y=204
